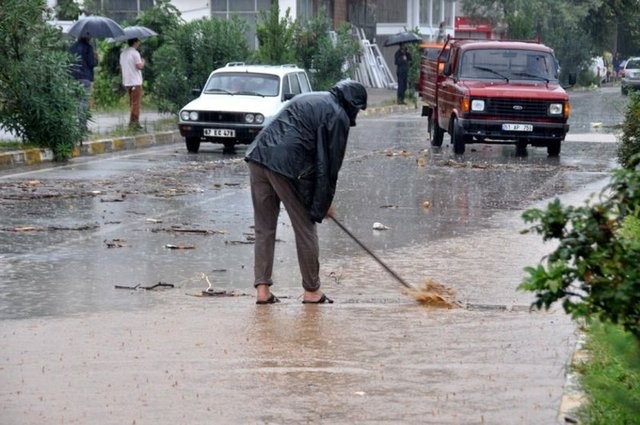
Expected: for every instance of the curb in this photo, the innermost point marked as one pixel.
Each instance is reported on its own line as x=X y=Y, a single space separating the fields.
x=573 y=397
x=34 y=156
x=13 y=159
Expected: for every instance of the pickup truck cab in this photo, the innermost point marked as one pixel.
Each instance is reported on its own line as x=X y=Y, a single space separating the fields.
x=493 y=91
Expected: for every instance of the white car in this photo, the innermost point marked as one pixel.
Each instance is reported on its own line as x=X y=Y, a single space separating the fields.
x=237 y=101
x=630 y=75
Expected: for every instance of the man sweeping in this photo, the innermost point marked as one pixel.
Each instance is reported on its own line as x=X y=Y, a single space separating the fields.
x=295 y=161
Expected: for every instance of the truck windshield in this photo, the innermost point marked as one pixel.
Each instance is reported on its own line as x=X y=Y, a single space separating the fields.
x=508 y=64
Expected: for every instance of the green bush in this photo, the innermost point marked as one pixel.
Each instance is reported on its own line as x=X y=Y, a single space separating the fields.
x=39 y=101
x=189 y=55
x=610 y=377
x=275 y=37
x=630 y=142
x=594 y=269
x=326 y=61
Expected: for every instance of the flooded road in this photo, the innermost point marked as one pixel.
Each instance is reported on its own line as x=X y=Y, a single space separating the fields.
x=71 y=234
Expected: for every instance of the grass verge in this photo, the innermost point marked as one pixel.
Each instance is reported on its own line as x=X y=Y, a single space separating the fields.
x=611 y=377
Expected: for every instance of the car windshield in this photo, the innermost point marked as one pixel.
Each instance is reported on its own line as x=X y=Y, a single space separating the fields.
x=633 y=64
x=508 y=64
x=244 y=83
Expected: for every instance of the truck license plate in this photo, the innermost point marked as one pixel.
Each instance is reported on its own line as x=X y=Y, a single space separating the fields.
x=517 y=127
x=219 y=132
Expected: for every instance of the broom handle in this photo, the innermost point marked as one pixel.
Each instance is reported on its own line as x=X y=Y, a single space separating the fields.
x=378 y=260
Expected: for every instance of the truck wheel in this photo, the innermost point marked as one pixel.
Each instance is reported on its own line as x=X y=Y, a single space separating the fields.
x=521 y=148
x=553 y=148
x=193 y=144
x=457 y=137
x=436 y=134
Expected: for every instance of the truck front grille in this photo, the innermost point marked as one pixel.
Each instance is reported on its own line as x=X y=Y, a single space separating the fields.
x=517 y=108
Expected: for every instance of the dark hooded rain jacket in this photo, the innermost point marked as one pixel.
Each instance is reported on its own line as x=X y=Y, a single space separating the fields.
x=306 y=142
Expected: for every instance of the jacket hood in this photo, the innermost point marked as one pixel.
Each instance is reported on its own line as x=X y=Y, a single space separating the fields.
x=352 y=96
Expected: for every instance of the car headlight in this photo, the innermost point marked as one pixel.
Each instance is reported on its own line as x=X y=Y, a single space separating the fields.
x=249 y=118
x=556 y=109
x=189 y=116
x=477 y=105
x=259 y=118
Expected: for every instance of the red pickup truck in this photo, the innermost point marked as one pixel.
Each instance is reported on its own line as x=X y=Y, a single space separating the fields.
x=490 y=91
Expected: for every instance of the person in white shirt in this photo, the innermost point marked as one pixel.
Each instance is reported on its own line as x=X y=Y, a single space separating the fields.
x=131 y=64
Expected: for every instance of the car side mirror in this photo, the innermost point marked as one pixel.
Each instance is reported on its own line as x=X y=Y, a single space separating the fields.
x=289 y=96
x=196 y=92
x=447 y=69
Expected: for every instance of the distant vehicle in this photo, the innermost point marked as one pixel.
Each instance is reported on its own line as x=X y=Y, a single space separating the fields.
x=494 y=91
x=237 y=101
x=599 y=69
x=630 y=75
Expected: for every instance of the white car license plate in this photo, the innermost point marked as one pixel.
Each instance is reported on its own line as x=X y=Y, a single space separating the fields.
x=517 y=127
x=219 y=132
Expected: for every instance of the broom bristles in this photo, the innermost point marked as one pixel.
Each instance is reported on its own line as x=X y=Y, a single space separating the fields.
x=434 y=294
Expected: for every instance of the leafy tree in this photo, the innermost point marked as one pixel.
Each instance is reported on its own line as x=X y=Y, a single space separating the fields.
x=630 y=141
x=275 y=37
x=163 y=18
x=612 y=25
x=557 y=24
x=326 y=59
x=67 y=10
x=594 y=269
x=39 y=101
x=191 y=52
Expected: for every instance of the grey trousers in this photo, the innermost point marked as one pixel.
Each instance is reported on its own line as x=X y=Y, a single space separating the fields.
x=268 y=189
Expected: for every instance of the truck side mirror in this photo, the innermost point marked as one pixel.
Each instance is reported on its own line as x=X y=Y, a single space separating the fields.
x=447 y=69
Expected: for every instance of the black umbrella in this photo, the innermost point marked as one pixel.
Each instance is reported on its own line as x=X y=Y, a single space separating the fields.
x=402 y=38
x=136 y=31
x=96 y=27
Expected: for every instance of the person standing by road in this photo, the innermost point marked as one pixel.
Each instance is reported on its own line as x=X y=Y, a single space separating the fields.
x=402 y=59
x=131 y=64
x=295 y=161
x=86 y=59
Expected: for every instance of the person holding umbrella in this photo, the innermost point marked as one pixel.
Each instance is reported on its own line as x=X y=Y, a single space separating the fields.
x=402 y=59
x=131 y=64
x=85 y=59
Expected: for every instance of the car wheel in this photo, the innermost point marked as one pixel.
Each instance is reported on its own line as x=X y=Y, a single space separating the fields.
x=436 y=134
x=521 y=148
x=457 y=137
x=553 y=148
x=193 y=144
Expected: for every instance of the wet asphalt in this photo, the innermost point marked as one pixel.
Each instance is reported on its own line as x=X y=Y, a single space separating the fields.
x=77 y=350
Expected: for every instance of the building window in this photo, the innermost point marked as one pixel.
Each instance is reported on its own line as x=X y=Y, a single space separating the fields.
x=304 y=10
x=392 y=12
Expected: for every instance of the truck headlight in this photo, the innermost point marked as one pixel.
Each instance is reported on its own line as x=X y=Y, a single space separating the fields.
x=477 y=105
x=556 y=109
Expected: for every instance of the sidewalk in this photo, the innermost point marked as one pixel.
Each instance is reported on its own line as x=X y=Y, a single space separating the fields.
x=380 y=101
